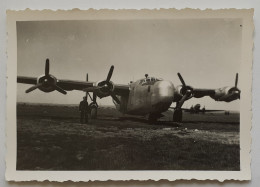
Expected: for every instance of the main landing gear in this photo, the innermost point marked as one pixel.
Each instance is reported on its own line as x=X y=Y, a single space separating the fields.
x=93 y=106
x=93 y=110
x=177 y=115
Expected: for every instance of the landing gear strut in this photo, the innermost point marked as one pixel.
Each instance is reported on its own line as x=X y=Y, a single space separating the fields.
x=93 y=105
x=177 y=115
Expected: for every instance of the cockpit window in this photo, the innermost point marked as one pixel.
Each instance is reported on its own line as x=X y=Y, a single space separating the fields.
x=149 y=81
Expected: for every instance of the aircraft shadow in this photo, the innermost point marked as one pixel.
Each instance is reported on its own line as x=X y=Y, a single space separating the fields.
x=212 y=122
x=166 y=123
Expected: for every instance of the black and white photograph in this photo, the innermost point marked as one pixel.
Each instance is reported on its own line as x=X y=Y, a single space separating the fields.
x=132 y=94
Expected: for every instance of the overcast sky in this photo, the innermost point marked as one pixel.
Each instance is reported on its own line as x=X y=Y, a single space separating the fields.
x=205 y=51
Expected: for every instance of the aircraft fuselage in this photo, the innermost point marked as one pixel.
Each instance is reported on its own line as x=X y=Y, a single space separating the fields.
x=147 y=97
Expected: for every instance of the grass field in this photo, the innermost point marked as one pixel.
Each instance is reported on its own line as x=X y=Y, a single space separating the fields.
x=50 y=137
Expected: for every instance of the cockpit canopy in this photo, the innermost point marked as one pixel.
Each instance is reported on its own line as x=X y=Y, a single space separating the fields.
x=149 y=80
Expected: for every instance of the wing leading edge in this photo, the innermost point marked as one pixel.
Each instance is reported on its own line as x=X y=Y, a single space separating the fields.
x=198 y=93
x=70 y=85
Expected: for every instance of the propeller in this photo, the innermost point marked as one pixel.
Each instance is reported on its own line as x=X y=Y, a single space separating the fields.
x=59 y=89
x=47 y=67
x=33 y=87
x=104 y=86
x=95 y=99
x=113 y=95
x=236 y=81
x=235 y=90
x=47 y=81
x=109 y=75
x=187 y=91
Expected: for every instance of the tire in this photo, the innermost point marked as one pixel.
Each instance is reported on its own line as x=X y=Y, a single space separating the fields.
x=93 y=113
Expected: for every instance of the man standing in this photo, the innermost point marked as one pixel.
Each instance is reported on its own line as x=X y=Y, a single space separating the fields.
x=83 y=108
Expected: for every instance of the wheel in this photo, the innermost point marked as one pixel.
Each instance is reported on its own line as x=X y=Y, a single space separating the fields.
x=177 y=115
x=93 y=113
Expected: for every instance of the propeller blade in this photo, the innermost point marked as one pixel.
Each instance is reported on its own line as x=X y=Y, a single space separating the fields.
x=33 y=88
x=110 y=73
x=183 y=99
x=181 y=79
x=236 y=81
x=95 y=99
x=115 y=97
x=87 y=94
x=87 y=77
x=47 y=67
x=59 y=89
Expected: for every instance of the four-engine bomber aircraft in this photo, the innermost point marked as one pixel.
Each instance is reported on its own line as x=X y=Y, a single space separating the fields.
x=149 y=95
x=196 y=109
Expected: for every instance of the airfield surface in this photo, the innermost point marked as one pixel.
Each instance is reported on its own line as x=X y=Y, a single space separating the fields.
x=50 y=137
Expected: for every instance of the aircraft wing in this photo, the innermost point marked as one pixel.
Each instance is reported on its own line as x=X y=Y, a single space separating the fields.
x=189 y=110
x=26 y=80
x=226 y=93
x=213 y=110
x=185 y=109
x=198 y=93
x=70 y=85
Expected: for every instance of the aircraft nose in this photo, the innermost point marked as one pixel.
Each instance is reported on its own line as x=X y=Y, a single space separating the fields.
x=162 y=96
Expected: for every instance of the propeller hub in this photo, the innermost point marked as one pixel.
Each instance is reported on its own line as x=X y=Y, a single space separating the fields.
x=105 y=88
x=47 y=82
x=186 y=92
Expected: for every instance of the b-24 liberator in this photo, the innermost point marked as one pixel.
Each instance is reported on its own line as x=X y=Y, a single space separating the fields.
x=147 y=96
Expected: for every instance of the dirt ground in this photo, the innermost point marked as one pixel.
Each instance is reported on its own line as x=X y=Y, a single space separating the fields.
x=50 y=137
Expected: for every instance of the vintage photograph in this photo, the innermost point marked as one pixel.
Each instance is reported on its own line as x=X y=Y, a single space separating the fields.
x=135 y=94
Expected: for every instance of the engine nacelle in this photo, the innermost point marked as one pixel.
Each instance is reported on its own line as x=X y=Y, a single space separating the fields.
x=47 y=83
x=226 y=94
x=179 y=92
x=104 y=88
